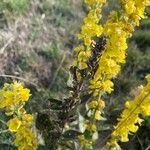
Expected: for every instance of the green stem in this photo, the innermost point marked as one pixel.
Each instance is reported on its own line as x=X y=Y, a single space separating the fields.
x=4 y=131
x=3 y=122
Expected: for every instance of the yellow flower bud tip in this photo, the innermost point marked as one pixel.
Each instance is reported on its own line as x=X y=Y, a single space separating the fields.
x=93 y=128
x=98 y=115
x=98 y=10
x=90 y=126
x=148 y=78
x=93 y=42
x=10 y=113
x=21 y=111
x=14 y=124
x=101 y=104
x=93 y=104
x=81 y=137
x=66 y=126
x=113 y=145
x=83 y=65
x=87 y=41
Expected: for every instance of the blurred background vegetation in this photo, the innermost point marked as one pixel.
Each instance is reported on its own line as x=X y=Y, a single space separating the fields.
x=36 y=43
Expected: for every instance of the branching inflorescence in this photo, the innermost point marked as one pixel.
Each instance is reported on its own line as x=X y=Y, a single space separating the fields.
x=98 y=60
x=99 y=65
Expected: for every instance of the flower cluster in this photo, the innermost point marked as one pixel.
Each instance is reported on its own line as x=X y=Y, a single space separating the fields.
x=95 y=108
x=12 y=95
x=12 y=98
x=129 y=121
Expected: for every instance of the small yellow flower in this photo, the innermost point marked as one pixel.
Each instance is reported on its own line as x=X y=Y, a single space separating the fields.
x=82 y=65
x=98 y=115
x=93 y=128
x=90 y=126
x=101 y=104
x=14 y=124
x=107 y=86
x=86 y=142
x=113 y=145
x=87 y=41
x=27 y=118
x=10 y=113
x=98 y=10
x=93 y=104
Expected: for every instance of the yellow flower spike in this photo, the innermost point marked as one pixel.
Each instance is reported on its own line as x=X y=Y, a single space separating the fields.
x=89 y=29
x=130 y=118
x=118 y=29
x=14 y=124
x=130 y=7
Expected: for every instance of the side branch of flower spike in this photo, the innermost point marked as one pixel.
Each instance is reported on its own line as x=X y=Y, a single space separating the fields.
x=130 y=121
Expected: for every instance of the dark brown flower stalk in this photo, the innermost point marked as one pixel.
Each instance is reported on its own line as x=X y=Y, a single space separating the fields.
x=65 y=109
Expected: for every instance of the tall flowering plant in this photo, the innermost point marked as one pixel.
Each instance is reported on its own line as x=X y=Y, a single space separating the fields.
x=97 y=60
